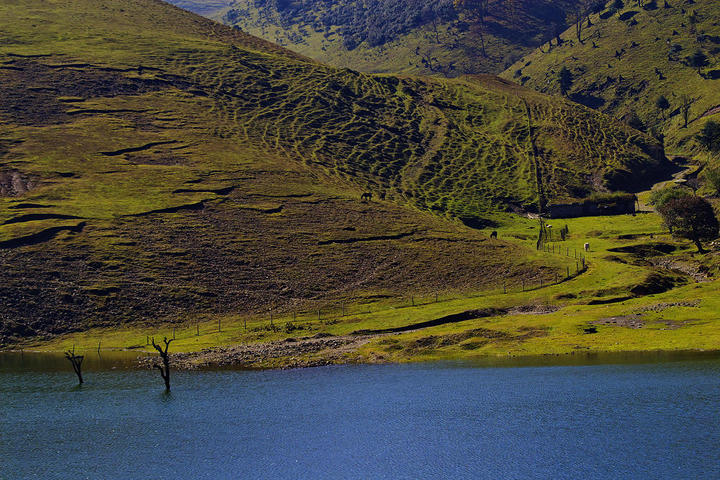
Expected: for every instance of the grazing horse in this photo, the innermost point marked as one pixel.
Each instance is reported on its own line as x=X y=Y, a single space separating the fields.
x=494 y=234
x=366 y=196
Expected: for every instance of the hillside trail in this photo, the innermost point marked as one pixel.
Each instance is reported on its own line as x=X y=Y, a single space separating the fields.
x=678 y=178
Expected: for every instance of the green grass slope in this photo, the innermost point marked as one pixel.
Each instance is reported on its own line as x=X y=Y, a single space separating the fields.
x=157 y=166
x=631 y=57
x=397 y=36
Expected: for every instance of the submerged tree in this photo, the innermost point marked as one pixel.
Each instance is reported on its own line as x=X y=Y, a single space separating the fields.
x=76 y=361
x=691 y=217
x=165 y=367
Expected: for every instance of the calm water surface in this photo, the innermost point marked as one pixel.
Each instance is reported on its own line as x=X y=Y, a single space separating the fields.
x=627 y=420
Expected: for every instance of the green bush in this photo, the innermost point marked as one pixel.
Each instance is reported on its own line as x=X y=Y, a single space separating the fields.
x=709 y=136
x=659 y=198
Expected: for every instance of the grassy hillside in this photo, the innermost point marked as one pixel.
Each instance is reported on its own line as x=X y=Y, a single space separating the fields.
x=643 y=291
x=630 y=57
x=399 y=36
x=159 y=167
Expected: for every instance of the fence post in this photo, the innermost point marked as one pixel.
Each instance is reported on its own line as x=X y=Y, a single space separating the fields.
x=523 y=284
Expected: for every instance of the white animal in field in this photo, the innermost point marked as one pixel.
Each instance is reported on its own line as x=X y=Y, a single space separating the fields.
x=587 y=247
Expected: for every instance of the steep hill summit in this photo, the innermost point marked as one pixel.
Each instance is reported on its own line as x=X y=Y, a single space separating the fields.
x=445 y=38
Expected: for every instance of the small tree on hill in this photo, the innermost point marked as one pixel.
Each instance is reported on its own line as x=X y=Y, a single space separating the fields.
x=662 y=104
x=579 y=13
x=709 y=136
x=636 y=122
x=618 y=4
x=479 y=10
x=691 y=217
x=693 y=21
x=565 y=79
x=712 y=176
x=698 y=60
x=686 y=103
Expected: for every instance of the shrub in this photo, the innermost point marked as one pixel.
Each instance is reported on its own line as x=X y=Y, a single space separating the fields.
x=660 y=197
x=712 y=177
x=709 y=136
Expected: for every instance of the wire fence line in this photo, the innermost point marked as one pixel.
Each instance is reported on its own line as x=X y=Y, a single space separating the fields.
x=330 y=313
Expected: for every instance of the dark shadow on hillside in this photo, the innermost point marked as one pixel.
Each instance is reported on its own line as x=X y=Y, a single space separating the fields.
x=590 y=101
x=642 y=179
x=477 y=222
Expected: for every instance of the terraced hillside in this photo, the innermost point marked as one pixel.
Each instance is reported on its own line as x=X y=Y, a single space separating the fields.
x=443 y=38
x=632 y=56
x=169 y=167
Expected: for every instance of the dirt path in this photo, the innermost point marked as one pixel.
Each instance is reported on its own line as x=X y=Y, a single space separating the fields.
x=679 y=177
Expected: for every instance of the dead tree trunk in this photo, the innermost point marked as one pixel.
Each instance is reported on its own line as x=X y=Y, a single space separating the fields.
x=165 y=367
x=76 y=361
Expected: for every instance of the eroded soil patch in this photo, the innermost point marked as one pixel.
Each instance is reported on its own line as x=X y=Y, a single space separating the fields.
x=30 y=89
x=14 y=183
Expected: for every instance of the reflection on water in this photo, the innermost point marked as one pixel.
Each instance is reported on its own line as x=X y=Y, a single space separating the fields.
x=56 y=361
x=593 y=420
x=112 y=360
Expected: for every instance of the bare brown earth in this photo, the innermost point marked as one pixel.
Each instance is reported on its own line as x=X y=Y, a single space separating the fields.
x=322 y=350
x=277 y=241
x=289 y=353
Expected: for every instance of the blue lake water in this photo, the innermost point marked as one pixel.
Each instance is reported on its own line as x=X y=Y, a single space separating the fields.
x=597 y=421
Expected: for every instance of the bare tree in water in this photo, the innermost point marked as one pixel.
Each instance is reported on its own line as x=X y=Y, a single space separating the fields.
x=76 y=361
x=165 y=367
